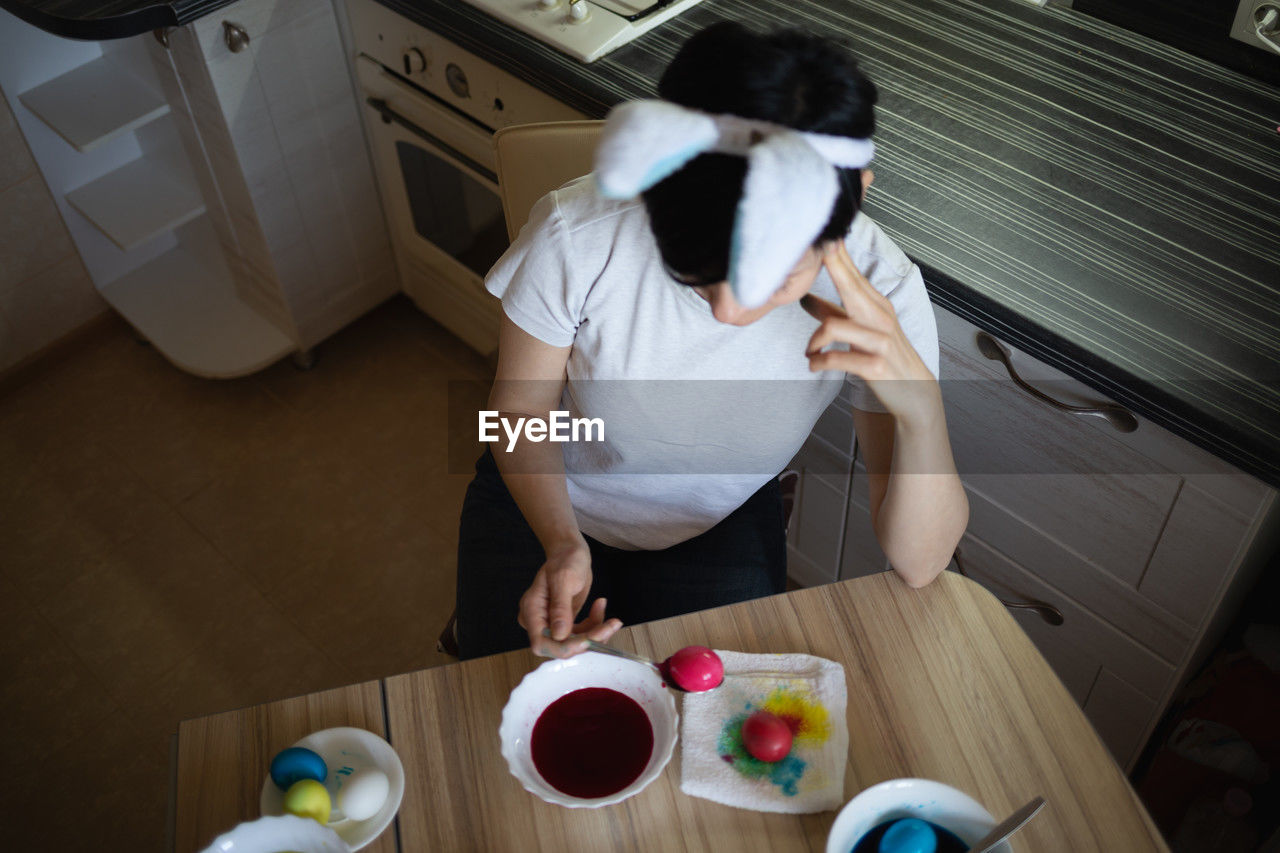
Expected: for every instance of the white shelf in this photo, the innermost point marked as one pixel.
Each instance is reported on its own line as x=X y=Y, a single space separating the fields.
x=140 y=200
x=95 y=102
x=195 y=320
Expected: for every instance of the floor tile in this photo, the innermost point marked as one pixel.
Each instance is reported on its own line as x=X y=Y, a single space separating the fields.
x=156 y=599
x=48 y=696
x=377 y=602
x=261 y=658
x=171 y=547
x=289 y=505
x=107 y=790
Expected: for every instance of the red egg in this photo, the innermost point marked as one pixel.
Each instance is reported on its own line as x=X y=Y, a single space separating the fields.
x=694 y=669
x=766 y=736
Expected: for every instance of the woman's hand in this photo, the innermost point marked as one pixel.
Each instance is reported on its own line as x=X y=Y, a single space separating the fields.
x=879 y=351
x=558 y=592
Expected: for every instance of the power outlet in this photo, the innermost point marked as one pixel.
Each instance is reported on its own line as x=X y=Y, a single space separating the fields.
x=1244 y=27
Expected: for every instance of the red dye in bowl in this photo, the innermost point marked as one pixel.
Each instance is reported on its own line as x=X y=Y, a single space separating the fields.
x=592 y=742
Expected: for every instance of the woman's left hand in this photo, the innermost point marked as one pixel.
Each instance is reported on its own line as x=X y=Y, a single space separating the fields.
x=879 y=351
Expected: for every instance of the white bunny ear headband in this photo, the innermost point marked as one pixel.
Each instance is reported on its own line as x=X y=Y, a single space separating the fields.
x=787 y=195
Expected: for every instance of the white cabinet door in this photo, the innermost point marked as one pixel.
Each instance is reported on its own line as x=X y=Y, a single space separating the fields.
x=281 y=130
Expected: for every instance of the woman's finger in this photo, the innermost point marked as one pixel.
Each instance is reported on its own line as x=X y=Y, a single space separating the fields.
x=860 y=364
x=859 y=280
x=533 y=611
x=560 y=594
x=595 y=625
x=845 y=276
x=594 y=617
x=606 y=631
x=819 y=308
x=845 y=331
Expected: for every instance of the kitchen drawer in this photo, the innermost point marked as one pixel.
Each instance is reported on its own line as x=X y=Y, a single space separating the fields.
x=1082 y=643
x=1120 y=714
x=1152 y=449
x=1085 y=507
x=861 y=554
x=1123 y=704
x=1053 y=471
x=835 y=426
x=818 y=516
x=1067 y=572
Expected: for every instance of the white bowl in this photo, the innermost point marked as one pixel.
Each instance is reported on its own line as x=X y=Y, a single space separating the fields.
x=554 y=679
x=925 y=799
x=273 y=834
x=347 y=750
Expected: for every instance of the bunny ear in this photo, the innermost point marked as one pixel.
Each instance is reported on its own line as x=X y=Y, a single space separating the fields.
x=786 y=200
x=645 y=141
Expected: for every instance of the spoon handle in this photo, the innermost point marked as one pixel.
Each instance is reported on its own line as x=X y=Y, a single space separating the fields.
x=1008 y=826
x=603 y=648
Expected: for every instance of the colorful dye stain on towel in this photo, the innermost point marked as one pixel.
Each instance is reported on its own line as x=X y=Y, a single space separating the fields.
x=810 y=727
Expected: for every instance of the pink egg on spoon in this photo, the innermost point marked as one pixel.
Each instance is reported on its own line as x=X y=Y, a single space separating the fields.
x=693 y=669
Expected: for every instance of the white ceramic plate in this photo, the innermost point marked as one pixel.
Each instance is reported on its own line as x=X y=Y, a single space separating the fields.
x=925 y=799
x=554 y=679
x=346 y=750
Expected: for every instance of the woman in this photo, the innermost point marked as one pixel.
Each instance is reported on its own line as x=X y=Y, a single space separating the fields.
x=684 y=322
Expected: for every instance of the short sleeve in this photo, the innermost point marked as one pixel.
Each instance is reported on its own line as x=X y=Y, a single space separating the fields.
x=892 y=273
x=534 y=280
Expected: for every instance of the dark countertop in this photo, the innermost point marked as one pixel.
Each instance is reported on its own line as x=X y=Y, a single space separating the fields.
x=1105 y=203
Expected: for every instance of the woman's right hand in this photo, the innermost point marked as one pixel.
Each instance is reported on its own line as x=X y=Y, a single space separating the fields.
x=558 y=592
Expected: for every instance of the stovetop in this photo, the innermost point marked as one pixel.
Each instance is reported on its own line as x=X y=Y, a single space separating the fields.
x=584 y=29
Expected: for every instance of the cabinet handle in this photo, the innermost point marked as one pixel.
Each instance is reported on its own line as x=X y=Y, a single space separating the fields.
x=236 y=37
x=1118 y=416
x=1048 y=612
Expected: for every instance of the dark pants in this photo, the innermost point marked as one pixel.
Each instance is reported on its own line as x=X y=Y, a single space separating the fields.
x=742 y=557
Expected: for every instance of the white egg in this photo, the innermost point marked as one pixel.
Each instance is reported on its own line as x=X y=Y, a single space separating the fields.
x=363 y=794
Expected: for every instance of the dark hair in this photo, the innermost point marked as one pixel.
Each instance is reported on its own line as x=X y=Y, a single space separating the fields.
x=789 y=77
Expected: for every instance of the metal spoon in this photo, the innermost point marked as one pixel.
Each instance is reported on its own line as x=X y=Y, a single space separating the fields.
x=610 y=650
x=602 y=648
x=1008 y=826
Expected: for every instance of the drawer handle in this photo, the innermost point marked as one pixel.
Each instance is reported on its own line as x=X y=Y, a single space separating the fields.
x=1118 y=416
x=1048 y=612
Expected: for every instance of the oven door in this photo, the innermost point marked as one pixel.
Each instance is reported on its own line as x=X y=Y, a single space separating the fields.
x=435 y=169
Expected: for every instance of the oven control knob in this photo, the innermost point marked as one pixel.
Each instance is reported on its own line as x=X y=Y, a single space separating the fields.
x=457 y=80
x=548 y=4
x=578 y=10
x=415 y=61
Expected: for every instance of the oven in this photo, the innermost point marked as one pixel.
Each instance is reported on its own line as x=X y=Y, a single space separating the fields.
x=430 y=111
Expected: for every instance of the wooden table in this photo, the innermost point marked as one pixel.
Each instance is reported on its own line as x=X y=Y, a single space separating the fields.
x=942 y=684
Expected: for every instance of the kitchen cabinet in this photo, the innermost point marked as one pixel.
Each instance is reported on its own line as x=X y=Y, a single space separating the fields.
x=270 y=115
x=222 y=200
x=1141 y=543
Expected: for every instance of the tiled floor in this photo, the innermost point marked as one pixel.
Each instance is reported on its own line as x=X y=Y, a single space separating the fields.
x=171 y=547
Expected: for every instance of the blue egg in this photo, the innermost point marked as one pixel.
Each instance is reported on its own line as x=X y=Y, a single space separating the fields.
x=909 y=836
x=297 y=763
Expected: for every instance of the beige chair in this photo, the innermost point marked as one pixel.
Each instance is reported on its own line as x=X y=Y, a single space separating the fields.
x=534 y=159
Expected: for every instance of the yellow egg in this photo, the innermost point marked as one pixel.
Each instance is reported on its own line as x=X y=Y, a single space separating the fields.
x=308 y=798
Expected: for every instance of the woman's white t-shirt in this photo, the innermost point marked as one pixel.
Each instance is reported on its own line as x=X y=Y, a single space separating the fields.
x=697 y=414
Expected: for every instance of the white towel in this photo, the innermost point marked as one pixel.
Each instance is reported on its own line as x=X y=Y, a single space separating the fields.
x=807 y=691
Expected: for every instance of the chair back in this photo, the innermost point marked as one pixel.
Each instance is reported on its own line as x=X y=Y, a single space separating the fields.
x=534 y=159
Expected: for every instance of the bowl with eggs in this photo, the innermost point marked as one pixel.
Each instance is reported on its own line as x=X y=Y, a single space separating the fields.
x=911 y=816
